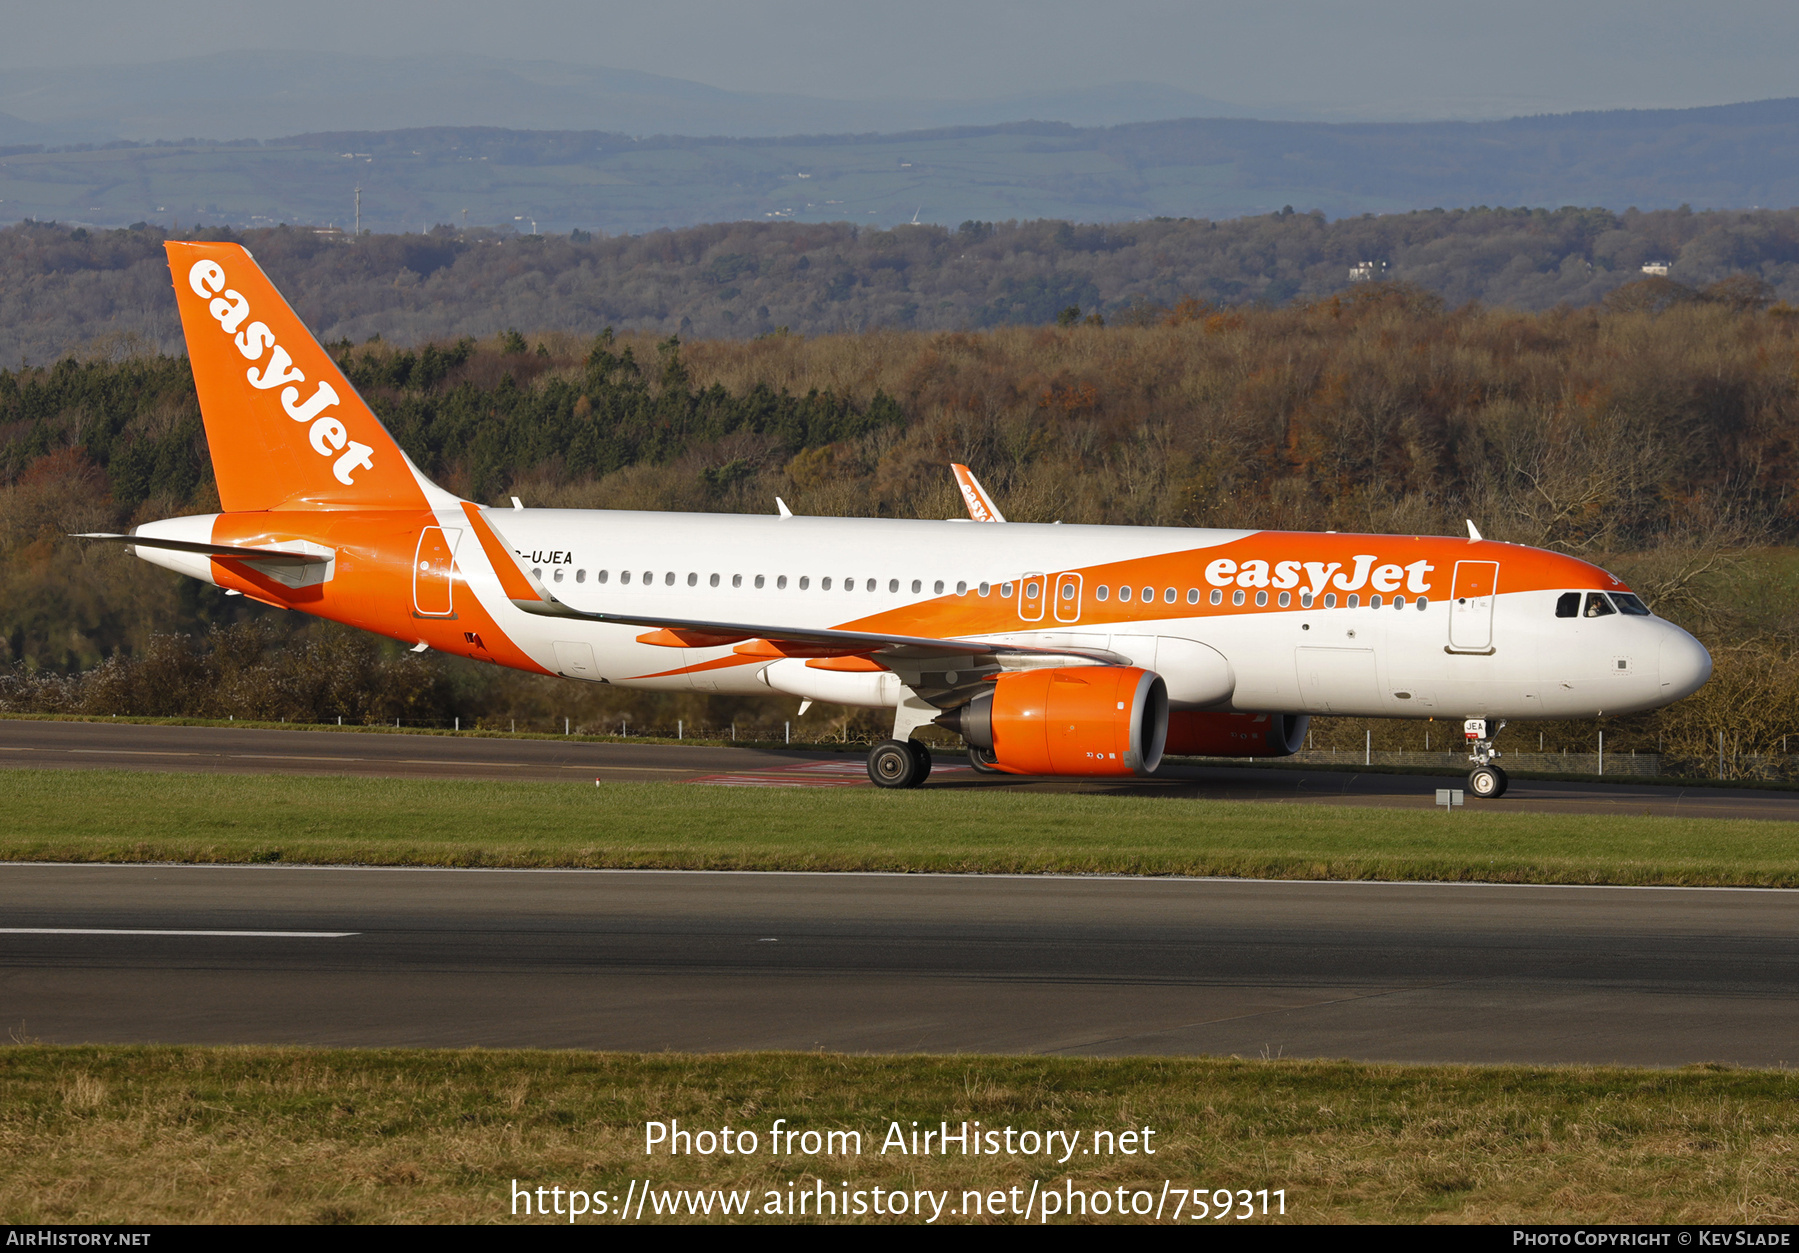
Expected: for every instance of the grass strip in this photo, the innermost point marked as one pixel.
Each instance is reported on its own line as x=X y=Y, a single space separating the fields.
x=165 y=1134
x=125 y=816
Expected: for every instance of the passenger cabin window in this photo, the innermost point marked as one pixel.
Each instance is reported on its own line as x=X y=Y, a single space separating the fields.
x=759 y=581
x=693 y=580
x=558 y=575
x=1124 y=593
x=804 y=582
x=1330 y=600
x=580 y=576
x=824 y=584
x=1217 y=597
x=1261 y=599
x=1101 y=592
x=736 y=580
x=937 y=588
x=1567 y=605
x=1598 y=606
x=713 y=583
x=1353 y=601
x=1286 y=599
x=893 y=585
x=602 y=576
x=961 y=588
x=1005 y=590
x=1149 y=593
x=781 y=582
x=917 y=586
x=1193 y=596
x=1237 y=597
x=624 y=576
x=669 y=579
x=1627 y=603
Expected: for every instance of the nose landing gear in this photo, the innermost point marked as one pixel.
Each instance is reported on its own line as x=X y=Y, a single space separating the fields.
x=1486 y=780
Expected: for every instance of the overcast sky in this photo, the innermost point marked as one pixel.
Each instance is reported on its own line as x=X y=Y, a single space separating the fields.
x=1397 y=58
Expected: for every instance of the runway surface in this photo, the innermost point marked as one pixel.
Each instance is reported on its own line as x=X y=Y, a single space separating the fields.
x=897 y=963
x=106 y=745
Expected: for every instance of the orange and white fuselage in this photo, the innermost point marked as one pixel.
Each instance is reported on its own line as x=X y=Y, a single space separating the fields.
x=323 y=513
x=1380 y=637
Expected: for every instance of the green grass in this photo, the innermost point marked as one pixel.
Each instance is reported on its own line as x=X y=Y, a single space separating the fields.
x=125 y=1135
x=67 y=815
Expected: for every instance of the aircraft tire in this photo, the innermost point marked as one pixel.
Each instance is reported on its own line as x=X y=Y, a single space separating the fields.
x=892 y=764
x=922 y=752
x=981 y=761
x=1487 y=782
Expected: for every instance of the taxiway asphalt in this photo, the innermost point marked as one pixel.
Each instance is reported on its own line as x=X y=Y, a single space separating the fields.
x=227 y=750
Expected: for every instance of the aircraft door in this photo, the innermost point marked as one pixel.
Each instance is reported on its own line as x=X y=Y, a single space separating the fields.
x=1471 y=600
x=575 y=660
x=433 y=573
x=1068 y=598
x=1030 y=597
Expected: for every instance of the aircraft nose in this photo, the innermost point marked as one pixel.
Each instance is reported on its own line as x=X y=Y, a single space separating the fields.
x=1684 y=663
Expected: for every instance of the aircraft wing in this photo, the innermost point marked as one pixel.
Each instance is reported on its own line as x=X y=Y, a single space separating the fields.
x=766 y=639
x=789 y=641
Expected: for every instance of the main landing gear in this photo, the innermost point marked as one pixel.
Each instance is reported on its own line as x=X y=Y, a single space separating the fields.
x=1486 y=780
x=899 y=763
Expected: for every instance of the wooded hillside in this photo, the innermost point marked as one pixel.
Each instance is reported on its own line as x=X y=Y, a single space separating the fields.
x=108 y=292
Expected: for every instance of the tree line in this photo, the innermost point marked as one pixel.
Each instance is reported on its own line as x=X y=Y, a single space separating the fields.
x=108 y=294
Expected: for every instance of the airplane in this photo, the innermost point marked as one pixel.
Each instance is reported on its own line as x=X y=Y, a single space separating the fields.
x=1050 y=649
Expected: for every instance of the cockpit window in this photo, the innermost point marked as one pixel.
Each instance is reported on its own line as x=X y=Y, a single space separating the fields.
x=1628 y=603
x=1567 y=605
x=1598 y=606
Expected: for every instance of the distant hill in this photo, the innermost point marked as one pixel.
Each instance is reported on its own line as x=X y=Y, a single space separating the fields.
x=64 y=290
x=1732 y=156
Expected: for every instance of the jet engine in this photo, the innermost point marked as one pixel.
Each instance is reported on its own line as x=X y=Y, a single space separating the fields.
x=1077 y=720
x=1192 y=733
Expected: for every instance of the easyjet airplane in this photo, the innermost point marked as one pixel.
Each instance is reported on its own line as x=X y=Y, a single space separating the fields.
x=1051 y=649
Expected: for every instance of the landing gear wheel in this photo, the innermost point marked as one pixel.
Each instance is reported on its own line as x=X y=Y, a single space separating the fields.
x=1487 y=782
x=922 y=755
x=893 y=764
x=981 y=760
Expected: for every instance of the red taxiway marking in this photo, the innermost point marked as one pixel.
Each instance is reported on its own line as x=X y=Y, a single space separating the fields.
x=812 y=774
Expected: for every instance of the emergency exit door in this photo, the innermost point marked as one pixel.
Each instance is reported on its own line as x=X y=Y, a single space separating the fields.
x=1471 y=601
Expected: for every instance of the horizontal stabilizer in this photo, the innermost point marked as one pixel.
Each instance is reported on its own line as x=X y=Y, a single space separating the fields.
x=272 y=556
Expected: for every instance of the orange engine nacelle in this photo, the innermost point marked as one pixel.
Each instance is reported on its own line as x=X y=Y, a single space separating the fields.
x=1192 y=733
x=1079 y=720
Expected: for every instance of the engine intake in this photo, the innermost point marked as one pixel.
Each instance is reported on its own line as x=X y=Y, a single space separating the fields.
x=1077 y=720
x=1196 y=734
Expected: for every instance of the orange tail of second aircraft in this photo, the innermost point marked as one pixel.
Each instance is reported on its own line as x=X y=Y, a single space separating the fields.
x=286 y=429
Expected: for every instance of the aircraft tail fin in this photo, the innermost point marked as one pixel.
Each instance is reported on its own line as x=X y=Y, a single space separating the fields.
x=286 y=429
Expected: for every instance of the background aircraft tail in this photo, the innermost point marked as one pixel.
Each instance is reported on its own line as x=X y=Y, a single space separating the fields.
x=286 y=429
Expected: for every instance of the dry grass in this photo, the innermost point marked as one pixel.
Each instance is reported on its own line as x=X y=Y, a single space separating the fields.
x=286 y=1135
